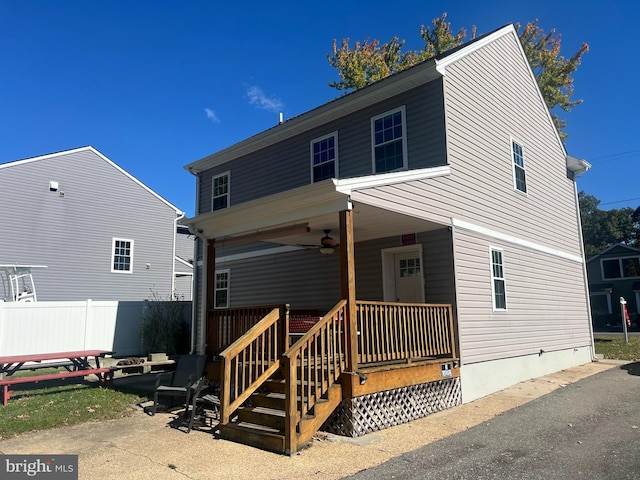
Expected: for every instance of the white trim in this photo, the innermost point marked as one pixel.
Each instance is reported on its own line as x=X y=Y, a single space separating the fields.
x=183 y=261
x=96 y=152
x=493 y=278
x=346 y=186
x=442 y=64
x=333 y=134
x=405 y=155
x=515 y=240
x=513 y=141
x=113 y=254
x=228 y=194
x=620 y=268
x=388 y=270
x=215 y=286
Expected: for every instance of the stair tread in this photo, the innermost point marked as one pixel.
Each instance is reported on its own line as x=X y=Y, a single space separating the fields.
x=264 y=410
x=254 y=427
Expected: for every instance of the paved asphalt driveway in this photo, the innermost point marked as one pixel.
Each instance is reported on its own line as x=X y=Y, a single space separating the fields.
x=586 y=430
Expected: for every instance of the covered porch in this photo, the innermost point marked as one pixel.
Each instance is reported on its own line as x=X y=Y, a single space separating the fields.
x=363 y=363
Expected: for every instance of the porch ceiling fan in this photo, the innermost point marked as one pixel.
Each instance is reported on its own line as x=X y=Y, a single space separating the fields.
x=327 y=244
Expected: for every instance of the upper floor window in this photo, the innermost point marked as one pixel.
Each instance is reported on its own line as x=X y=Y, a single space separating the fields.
x=498 y=286
x=220 y=191
x=626 y=267
x=222 y=289
x=122 y=260
x=519 y=174
x=389 y=139
x=324 y=157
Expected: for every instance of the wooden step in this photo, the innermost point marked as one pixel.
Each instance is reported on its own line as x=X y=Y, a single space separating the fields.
x=268 y=417
x=275 y=400
x=258 y=436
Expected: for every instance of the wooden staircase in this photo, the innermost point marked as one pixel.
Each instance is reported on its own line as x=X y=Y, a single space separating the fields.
x=273 y=397
x=262 y=421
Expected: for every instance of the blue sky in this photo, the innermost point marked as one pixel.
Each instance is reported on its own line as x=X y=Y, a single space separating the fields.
x=154 y=85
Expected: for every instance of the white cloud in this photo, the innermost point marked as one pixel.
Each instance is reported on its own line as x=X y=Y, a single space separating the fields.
x=211 y=115
x=258 y=98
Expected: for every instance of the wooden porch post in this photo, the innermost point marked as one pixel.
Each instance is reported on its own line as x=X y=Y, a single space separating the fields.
x=348 y=283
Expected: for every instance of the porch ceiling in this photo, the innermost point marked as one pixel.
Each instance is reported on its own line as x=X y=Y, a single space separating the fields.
x=316 y=205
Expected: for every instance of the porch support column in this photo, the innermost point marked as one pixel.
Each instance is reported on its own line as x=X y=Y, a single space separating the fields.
x=210 y=335
x=348 y=283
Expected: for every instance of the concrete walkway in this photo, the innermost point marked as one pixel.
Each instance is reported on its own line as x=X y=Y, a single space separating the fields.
x=141 y=447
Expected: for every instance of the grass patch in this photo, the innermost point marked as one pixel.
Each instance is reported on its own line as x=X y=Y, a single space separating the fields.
x=55 y=403
x=612 y=346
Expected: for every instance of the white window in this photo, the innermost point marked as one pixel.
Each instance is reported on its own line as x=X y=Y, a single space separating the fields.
x=324 y=157
x=519 y=174
x=498 y=287
x=220 y=191
x=122 y=260
x=389 y=141
x=222 y=289
x=617 y=268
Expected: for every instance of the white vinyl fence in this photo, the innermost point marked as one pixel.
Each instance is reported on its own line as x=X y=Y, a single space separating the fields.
x=46 y=327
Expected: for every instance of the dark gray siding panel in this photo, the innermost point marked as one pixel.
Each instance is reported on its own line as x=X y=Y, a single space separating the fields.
x=286 y=165
x=72 y=234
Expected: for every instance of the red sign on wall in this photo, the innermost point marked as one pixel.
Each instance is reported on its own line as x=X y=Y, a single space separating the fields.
x=409 y=239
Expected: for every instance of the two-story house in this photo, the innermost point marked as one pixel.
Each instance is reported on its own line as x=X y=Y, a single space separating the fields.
x=101 y=233
x=614 y=274
x=430 y=217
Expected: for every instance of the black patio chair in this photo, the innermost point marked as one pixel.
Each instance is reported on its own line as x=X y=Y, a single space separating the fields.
x=182 y=381
x=206 y=394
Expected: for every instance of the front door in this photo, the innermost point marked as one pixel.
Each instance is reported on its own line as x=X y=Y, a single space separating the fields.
x=408 y=277
x=403 y=274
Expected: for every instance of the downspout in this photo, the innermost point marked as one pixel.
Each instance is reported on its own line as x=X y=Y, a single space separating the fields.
x=179 y=217
x=199 y=291
x=195 y=291
x=585 y=166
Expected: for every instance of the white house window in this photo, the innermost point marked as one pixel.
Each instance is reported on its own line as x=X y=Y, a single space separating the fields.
x=122 y=260
x=389 y=139
x=617 y=268
x=519 y=174
x=497 y=280
x=222 y=289
x=324 y=157
x=220 y=192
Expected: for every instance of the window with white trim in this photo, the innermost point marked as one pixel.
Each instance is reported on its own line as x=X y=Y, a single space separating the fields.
x=220 y=191
x=324 y=157
x=389 y=141
x=122 y=256
x=617 y=268
x=498 y=286
x=519 y=173
x=222 y=289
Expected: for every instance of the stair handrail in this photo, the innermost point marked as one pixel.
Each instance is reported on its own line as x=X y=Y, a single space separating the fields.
x=324 y=347
x=250 y=361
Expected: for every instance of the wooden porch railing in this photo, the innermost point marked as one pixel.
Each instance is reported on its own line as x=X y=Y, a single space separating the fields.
x=251 y=359
x=226 y=325
x=401 y=332
x=311 y=366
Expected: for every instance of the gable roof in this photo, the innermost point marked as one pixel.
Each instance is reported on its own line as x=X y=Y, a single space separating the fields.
x=420 y=74
x=617 y=246
x=97 y=153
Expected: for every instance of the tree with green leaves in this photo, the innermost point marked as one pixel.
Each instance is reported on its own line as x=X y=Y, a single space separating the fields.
x=604 y=228
x=370 y=61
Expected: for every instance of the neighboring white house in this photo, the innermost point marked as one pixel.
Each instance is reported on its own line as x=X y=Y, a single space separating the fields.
x=101 y=233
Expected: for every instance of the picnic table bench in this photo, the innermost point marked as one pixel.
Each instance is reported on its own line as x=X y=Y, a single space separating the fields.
x=77 y=364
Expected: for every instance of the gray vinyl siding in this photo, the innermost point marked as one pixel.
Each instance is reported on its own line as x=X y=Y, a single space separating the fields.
x=481 y=118
x=73 y=234
x=287 y=165
x=278 y=278
x=546 y=305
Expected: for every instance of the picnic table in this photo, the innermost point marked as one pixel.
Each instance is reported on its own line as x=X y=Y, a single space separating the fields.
x=77 y=364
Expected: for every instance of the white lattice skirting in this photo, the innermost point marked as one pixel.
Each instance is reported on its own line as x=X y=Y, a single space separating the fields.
x=377 y=411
